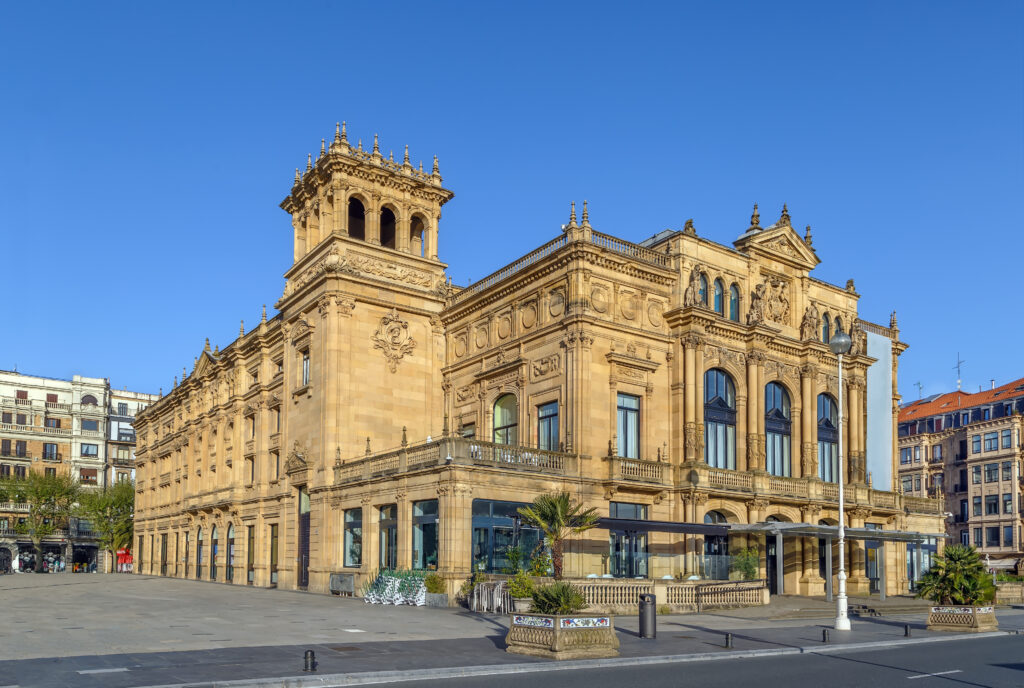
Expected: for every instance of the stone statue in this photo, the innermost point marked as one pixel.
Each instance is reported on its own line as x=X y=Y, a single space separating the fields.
x=809 y=326
x=755 y=314
x=691 y=297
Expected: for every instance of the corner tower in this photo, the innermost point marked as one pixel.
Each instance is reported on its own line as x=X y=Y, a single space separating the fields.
x=362 y=337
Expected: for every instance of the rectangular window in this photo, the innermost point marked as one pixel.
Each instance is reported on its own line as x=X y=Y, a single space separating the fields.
x=977 y=537
x=828 y=461
x=1007 y=503
x=1007 y=470
x=250 y=555
x=19 y=472
x=908 y=484
x=51 y=472
x=273 y=555
x=276 y=459
x=5 y=470
x=917 y=454
x=1007 y=439
x=992 y=472
x=965 y=538
x=21 y=394
x=468 y=431
x=21 y=420
x=123 y=453
x=992 y=536
x=906 y=454
x=388 y=536
x=635 y=512
x=6 y=417
x=50 y=451
x=51 y=398
x=976 y=475
x=991 y=505
x=251 y=420
x=90 y=424
x=977 y=505
x=123 y=477
x=90 y=450
x=122 y=409
x=1007 y=536
x=305 y=367
x=20 y=448
x=937 y=452
x=976 y=444
x=277 y=419
x=53 y=422
x=629 y=426
x=353 y=537
x=424 y=534
x=991 y=441
x=547 y=426
x=87 y=476
x=917 y=483
x=5 y=447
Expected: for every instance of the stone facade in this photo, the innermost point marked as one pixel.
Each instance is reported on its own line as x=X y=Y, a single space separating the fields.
x=385 y=398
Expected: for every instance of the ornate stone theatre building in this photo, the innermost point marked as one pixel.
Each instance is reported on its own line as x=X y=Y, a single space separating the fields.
x=387 y=418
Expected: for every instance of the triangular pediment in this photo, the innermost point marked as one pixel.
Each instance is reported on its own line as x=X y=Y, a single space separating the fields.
x=205 y=363
x=780 y=242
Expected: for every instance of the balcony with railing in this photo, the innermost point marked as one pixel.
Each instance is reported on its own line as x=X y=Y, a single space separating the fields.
x=53 y=457
x=637 y=470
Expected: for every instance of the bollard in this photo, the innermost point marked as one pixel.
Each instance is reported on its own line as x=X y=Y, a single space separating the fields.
x=648 y=616
x=824 y=635
x=310 y=661
x=906 y=630
x=728 y=639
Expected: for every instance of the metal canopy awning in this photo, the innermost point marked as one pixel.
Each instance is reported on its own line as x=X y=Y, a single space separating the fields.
x=820 y=531
x=662 y=526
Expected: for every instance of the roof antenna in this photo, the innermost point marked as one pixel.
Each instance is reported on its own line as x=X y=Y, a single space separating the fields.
x=959 y=362
x=919 y=388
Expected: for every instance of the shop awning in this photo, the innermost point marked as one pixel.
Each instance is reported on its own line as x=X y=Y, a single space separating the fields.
x=662 y=526
x=822 y=531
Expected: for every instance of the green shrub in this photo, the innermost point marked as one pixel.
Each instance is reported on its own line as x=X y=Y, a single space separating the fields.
x=746 y=563
x=558 y=598
x=520 y=585
x=541 y=564
x=434 y=583
x=957 y=577
x=515 y=559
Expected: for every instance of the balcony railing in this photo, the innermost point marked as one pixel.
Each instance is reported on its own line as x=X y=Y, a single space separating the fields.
x=53 y=457
x=14 y=506
x=637 y=470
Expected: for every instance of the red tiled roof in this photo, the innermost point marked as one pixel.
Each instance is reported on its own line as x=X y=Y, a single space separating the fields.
x=953 y=401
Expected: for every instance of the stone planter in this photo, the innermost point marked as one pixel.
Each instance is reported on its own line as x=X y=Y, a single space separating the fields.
x=521 y=604
x=573 y=636
x=962 y=618
x=435 y=599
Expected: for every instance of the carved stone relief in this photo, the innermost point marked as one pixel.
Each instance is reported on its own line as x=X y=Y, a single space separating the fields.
x=481 y=337
x=504 y=326
x=393 y=340
x=529 y=315
x=556 y=303
x=654 y=312
x=628 y=306
x=460 y=345
x=599 y=299
x=546 y=367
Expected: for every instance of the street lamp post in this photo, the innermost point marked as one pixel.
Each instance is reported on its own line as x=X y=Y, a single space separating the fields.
x=840 y=344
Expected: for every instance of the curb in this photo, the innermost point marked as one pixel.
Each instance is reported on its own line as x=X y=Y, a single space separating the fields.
x=376 y=677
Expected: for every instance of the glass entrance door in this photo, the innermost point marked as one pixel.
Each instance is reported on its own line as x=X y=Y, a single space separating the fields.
x=771 y=562
x=627 y=554
x=163 y=554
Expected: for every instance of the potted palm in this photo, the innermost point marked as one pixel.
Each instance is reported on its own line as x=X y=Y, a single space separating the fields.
x=962 y=592
x=555 y=628
x=520 y=589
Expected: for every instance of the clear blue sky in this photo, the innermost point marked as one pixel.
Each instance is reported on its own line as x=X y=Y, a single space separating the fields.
x=144 y=149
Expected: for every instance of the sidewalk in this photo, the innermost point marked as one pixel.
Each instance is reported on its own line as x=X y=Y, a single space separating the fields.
x=680 y=638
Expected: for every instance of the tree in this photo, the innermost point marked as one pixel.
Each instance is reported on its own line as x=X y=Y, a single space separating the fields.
x=111 y=513
x=558 y=518
x=50 y=499
x=957 y=577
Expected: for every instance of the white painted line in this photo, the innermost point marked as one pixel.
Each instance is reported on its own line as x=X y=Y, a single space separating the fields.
x=102 y=671
x=937 y=673
x=353 y=630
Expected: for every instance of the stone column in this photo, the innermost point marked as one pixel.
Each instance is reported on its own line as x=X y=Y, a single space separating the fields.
x=371 y=535
x=689 y=343
x=372 y=221
x=808 y=420
x=796 y=439
x=340 y=215
x=455 y=558
x=741 y=433
x=753 y=411
x=677 y=401
x=404 y=530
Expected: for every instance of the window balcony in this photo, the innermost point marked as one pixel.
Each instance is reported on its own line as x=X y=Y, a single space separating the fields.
x=53 y=457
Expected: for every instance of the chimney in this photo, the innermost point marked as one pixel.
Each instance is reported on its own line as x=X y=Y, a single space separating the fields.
x=993 y=381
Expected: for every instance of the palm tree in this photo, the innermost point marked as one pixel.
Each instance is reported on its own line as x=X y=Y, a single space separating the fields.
x=957 y=577
x=558 y=518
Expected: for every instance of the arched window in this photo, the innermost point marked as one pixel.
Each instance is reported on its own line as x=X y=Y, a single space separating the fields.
x=230 y=568
x=89 y=400
x=213 y=553
x=416 y=231
x=199 y=552
x=356 y=219
x=506 y=420
x=777 y=428
x=839 y=325
x=703 y=289
x=734 y=303
x=719 y=297
x=387 y=228
x=828 y=435
x=719 y=419
x=826 y=329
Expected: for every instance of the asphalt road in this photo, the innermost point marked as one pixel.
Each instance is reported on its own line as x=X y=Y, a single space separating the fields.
x=989 y=662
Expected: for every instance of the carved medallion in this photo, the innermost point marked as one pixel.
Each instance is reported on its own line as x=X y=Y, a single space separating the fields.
x=460 y=345
x=654 y=313
x=628 y=306
x=481 y=337
x=529 y=315
x=392 y=338
x=599 y=299
x=556 y=303
x=504 y=326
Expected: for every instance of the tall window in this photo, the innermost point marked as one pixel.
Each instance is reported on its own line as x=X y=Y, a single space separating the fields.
x=826 y=329
x=838 y=325
x=704 y=289
x=388 y=536
x=719 y=297
x=734 y=303
x=547 y=426
x=273 y=555
x=230 y=564
x=250 y=554
x=305 y=367
x=777 y=427
x=828 y=435
x=628 y=426
x=353 y=537
x=199 y=553
x=424 y=534
x=719 y=419
x=214 y=542
x=506 y=420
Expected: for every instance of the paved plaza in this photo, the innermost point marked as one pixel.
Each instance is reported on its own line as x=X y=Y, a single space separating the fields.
x=120 y=631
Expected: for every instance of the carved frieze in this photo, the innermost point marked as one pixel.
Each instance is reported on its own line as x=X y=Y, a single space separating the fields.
x=545 y=367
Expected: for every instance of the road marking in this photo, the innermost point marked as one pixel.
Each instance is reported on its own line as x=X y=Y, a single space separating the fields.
x=937 y=673
x=102 y=671
x=353 y=630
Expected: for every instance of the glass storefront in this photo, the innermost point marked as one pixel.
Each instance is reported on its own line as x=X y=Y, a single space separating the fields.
x=497 y=528
x=424 y=534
